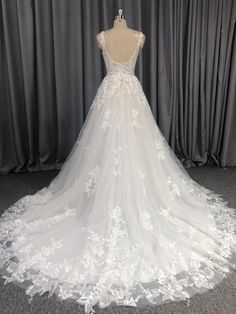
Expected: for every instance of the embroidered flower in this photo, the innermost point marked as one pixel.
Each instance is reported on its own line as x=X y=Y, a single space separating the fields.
x=160 y=149
x=48 y=222
x=165 y=211
x=146 y=220
x=135 y=122
x=106 y=120
x=174 y=190
x=91 y=183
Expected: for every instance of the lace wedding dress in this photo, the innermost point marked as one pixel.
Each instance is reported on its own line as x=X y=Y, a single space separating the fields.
x=123 y=221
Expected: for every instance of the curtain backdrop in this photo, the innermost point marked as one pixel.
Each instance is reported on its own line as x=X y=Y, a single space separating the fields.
x=50 y=69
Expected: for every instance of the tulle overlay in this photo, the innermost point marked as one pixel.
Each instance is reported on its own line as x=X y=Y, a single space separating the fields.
x=122 y=222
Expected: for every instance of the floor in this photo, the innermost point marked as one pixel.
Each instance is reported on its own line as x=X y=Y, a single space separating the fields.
x=221 y=300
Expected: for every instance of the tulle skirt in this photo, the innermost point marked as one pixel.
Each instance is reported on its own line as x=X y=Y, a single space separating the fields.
x=122 y=222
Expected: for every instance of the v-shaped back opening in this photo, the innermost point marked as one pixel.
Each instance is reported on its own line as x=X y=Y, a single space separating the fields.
x=120 y=62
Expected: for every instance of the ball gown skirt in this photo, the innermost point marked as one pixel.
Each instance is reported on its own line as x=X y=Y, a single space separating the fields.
x=122 y=222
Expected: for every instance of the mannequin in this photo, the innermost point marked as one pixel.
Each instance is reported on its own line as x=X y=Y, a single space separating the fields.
x=120 y=39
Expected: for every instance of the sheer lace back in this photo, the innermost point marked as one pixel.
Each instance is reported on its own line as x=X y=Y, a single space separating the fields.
x=113 y=66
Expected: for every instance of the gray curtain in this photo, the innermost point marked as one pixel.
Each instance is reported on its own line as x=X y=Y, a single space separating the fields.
x=51 y=68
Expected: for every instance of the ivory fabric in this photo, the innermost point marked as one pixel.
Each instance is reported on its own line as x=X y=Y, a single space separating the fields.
x=123 y=221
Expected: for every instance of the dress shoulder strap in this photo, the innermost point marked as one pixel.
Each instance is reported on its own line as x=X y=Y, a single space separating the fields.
x=141 y=39
x=101 y=39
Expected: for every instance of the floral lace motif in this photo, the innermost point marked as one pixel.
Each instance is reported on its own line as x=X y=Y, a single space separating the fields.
x=174 y=188
x=118 y=84
x=165 y=211
x=117 y=258
x=41 y=223
x=146 y=220
x=90 y=186
x=113 y=66
x=135 y=121
x=117 y=161
x=160 y=149
x=120 y=78
x=106 y=120
x=41 y=197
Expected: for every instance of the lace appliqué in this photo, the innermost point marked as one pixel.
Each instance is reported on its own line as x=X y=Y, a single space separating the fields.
x=122 y=261
x=135 y=121
x=160 y=149
x=106 y=120
x=41 y=197
x=47 y=222
x=174 y=190
x=165 y=211
x=117 y=161
x=146 y=220
x=91 y=183
x=120 y=79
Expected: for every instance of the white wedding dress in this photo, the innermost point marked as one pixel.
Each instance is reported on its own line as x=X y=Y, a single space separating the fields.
x=123 y=221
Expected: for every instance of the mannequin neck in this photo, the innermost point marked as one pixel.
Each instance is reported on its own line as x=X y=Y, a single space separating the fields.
x=120 y=23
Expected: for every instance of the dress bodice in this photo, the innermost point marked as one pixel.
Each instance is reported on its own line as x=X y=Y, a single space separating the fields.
x=113 y=66
x=120 y=79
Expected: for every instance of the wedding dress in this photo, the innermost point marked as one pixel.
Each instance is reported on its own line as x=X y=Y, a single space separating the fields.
x=123 y=221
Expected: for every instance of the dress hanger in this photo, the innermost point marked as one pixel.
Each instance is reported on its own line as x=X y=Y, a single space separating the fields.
x=120 y=16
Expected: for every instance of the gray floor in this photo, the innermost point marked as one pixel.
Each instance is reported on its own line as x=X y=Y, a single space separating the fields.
x=221 y=300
